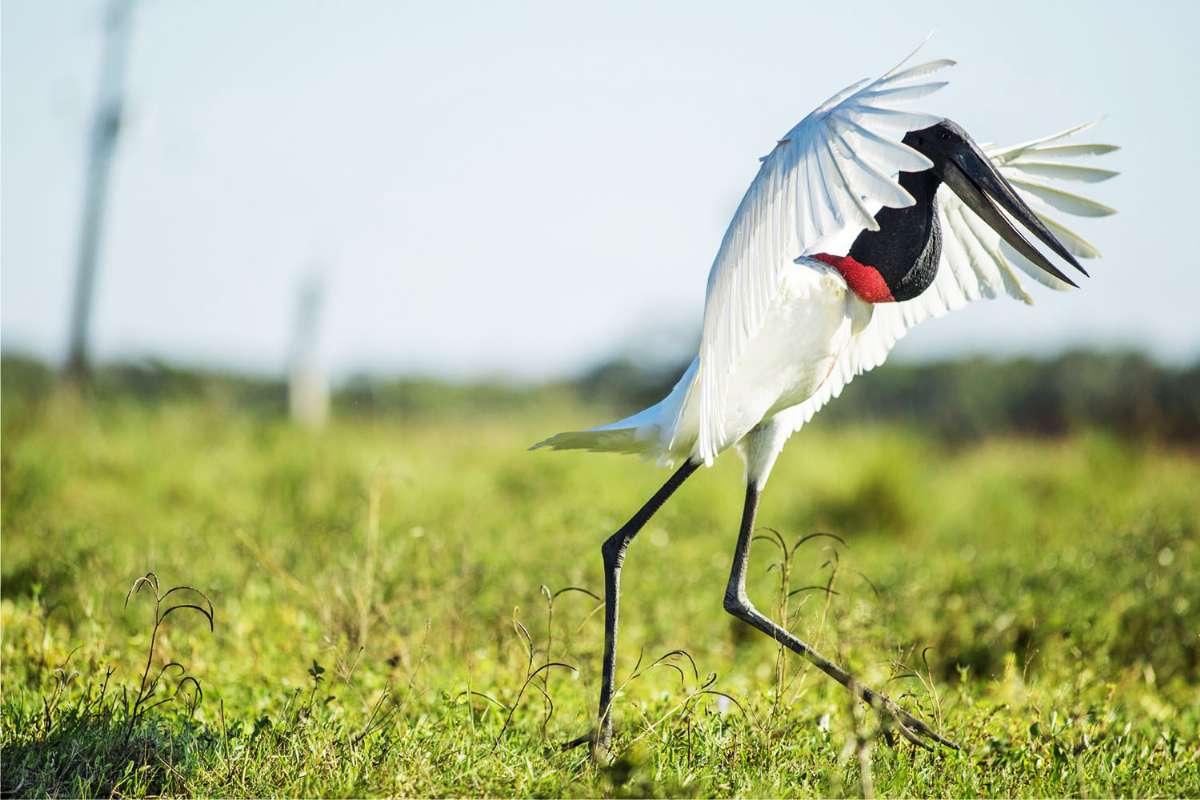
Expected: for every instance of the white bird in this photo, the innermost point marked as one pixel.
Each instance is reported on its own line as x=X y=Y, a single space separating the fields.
x=863 y=221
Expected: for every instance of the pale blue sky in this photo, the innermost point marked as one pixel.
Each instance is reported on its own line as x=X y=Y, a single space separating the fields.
x=520 y=189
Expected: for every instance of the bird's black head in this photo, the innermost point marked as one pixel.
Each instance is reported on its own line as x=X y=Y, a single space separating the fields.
x=943 y=142
x=963 y=166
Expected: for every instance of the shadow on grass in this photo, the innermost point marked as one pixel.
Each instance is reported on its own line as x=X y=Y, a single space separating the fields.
x=92 y=752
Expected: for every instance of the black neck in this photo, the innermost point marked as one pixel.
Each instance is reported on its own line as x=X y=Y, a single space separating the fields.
x=906 y=248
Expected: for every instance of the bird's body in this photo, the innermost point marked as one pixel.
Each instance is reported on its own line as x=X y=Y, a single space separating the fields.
x=813 y=319
x=863 y=221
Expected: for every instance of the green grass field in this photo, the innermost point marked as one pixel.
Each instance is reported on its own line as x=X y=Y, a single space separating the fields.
x=379 y=608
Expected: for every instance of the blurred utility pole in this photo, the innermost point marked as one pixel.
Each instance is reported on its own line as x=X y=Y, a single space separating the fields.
x=308 y=384
x=106 y=128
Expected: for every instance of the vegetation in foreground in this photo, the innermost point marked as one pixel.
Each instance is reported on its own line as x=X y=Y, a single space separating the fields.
x=385 y=592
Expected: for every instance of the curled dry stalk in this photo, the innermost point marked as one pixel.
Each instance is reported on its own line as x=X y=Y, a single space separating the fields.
x=551 y=598
x=531 y=677
x=931 y=688
x=833 y=563
x=784 y=613
x=163 y=608
x=685 y=706
x=925 y=679
x=62 y=679
x=378 y=718
x=784 y=565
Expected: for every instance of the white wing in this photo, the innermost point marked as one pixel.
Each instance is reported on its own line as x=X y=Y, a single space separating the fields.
x=828 y=175
x=975 y=262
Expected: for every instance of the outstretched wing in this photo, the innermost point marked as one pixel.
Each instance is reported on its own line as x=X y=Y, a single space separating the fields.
x=975 y=262
x=827 y=176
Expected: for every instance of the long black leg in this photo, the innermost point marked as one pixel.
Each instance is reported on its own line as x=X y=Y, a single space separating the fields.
x=613 y=550
x=737 y=602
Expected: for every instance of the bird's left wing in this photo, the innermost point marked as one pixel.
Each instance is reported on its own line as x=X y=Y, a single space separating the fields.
x=827 y=176
x=975 y=262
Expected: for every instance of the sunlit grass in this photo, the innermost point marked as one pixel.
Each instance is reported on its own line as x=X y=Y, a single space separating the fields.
x=378 y=590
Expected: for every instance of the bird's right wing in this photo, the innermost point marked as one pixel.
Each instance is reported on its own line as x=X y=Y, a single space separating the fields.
x=827 y=177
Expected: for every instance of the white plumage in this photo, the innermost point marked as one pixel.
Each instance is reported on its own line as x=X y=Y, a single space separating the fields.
x=825 y=178
x=783 y=334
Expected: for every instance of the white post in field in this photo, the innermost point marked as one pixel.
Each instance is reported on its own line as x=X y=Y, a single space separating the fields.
x=308 y=381
x=102 y=146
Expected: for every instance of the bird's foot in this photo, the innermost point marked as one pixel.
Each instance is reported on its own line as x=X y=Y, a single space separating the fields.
x=896 y=720
x=600 y=746
x=579 y=741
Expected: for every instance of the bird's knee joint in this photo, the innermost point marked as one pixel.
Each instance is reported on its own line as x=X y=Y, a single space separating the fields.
x=737 y=604
x=613 y=551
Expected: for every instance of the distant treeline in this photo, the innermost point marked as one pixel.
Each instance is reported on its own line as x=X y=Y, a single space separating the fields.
x=1124 y=393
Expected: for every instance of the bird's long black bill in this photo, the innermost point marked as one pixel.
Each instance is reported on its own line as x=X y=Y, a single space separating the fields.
x=973 y=177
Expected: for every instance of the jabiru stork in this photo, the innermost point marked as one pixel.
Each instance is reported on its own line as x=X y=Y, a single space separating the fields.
x=863 y=220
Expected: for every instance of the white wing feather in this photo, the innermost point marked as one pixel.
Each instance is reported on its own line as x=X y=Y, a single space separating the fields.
x=975 y=262
x=825 y=178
